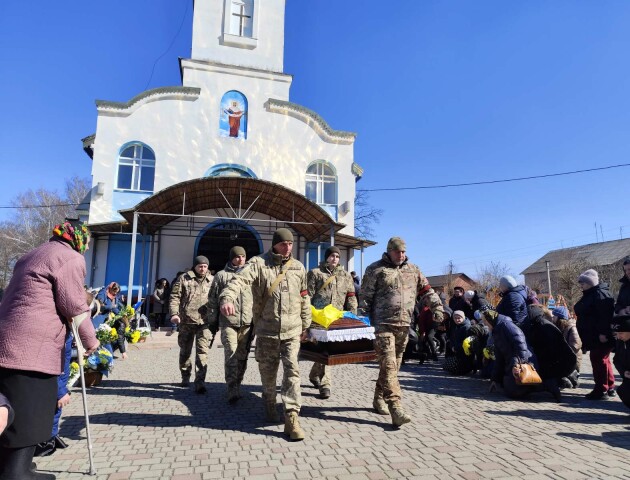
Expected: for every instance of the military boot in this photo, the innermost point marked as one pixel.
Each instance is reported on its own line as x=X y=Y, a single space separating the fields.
x=271 y=412
x=399 y=417
x=380 y=406
x=232 y=393
x=292 y=427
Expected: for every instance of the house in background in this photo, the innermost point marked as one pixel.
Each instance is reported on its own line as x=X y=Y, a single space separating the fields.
x=566 y=264
x=224 y=159
x=446 y=283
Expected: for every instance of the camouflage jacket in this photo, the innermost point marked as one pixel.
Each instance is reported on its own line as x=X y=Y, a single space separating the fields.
x=243 y=303
x=189 y=298
x=339 y=292
x=389 y=293
x=288 y=311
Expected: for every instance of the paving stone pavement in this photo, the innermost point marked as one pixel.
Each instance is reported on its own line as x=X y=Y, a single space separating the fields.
x=145 y=426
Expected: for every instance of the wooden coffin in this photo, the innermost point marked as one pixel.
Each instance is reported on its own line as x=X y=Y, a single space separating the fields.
x=339 y=353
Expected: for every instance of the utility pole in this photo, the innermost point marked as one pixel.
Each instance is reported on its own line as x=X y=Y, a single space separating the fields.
x=601 y=231
x=548 y=277
x=596 y=234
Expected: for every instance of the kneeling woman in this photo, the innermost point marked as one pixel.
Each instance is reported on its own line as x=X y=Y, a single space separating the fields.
x=510 y=348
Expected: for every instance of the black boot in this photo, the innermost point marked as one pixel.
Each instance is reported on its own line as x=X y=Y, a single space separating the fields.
x=15 y=464
x=46 y=448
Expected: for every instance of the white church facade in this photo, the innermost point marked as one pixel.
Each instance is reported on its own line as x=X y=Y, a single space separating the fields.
x=222 y=160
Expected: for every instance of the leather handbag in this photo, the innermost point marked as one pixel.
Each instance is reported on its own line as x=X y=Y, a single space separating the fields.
x=526 y=374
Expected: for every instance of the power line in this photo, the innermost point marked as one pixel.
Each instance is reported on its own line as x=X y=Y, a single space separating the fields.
x=169 y=47
x=487 y=182
x=41 y=206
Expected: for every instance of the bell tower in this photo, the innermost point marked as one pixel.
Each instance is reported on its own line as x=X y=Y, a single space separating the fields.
x=244 y=33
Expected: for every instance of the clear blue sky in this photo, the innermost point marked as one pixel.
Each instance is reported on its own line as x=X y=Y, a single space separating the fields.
x=438 y=91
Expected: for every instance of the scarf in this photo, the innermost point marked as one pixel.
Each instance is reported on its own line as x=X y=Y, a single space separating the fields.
x=77 y=236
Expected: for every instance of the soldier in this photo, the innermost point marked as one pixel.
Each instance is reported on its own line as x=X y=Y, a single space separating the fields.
x=389 y=291
x=282 y=313
x=329 y=284
x=236 y=330
x=188 y=307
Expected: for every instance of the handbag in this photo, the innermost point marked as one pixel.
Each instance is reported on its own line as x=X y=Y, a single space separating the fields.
x=525 y=374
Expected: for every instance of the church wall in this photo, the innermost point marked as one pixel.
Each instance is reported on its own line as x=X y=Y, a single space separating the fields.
x=185 y=138
x=269 y=45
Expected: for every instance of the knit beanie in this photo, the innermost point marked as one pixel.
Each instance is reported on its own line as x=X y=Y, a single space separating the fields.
x=469 y=295
x=331 y=250
x=489 y=315
x=396 y=243
x=626 y=261
x=282 y=235
x=459 y=313
x=590 y=277
x=560 y=312
x=200 y=259
x=620 y=323
x=236 y=251
x=508 y=282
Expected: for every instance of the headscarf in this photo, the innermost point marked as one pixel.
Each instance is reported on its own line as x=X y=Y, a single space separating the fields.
x=77 y=235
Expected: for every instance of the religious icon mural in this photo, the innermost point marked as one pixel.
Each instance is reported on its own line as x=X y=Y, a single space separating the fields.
x=233 y=118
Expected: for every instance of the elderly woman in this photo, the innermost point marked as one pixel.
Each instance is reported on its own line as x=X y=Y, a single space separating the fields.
x=513 y=302
x=45 y=294
x=456 y=361
x=594 y=313
x=110 y=300
x=560 y=318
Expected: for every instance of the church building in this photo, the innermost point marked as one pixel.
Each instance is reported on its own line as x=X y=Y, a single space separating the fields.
x=224 y=159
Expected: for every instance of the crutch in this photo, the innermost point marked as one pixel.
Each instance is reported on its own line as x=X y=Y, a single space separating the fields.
x=81 y=353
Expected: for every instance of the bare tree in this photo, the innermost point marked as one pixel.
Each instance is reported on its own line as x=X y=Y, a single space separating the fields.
x=36 y=213
x=365 y=215
x=489 y=275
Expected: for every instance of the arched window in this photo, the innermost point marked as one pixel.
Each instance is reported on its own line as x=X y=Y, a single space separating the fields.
x=321 y=183
x=136 y=168
x=233 y=115
x=230 y=170
x=241 y=18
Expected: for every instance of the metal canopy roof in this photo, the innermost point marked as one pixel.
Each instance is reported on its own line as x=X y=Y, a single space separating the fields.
x=239 y=196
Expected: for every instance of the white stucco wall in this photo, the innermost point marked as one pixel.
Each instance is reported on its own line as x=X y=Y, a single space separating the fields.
x=184 y=134
x=268 y=42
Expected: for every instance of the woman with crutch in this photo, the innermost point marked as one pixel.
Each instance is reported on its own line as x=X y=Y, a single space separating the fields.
x=45 y=294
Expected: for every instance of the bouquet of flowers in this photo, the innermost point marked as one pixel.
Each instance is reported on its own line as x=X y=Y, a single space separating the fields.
x=132 y=336
x=100 y=361
x=106 y=334
x=128 y=312
x=74 y=374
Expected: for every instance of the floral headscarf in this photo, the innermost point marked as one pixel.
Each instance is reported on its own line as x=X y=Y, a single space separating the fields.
x=77 y=235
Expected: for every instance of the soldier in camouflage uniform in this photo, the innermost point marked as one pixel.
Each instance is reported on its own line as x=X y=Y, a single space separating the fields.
x=188 y=307
x=236 y=330
x=329 y=284
x=389 y=291
x=282 y=313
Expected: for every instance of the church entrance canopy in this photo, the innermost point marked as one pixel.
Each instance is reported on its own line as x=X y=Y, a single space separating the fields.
x=238 y=199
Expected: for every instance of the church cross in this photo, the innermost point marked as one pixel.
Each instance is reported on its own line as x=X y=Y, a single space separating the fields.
x=241 y=18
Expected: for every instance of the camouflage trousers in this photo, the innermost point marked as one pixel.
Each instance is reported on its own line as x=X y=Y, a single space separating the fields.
x=390 y=343
x=236 y=343
x=200 y=336
x=269 y=352
x=322 y=373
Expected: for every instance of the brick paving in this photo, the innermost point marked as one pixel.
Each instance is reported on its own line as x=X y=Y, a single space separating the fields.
x=145 y=426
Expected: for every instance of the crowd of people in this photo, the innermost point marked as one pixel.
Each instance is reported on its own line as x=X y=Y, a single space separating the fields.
x=492 y=341
x=519 y=345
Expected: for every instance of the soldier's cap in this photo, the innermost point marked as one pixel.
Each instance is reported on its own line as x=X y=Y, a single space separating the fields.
x=331 y=250
x=282 y=235
x=396 y=243
x=200 y=259
x=236 y=251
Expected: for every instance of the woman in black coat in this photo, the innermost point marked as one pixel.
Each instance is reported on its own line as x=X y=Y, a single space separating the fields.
x=554 y=355
x=622 y=306
x=594 y=313
x=456 y=361
x=621 y=332
x=510 y=348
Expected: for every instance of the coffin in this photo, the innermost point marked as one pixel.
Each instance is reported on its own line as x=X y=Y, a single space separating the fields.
x=345 y=341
